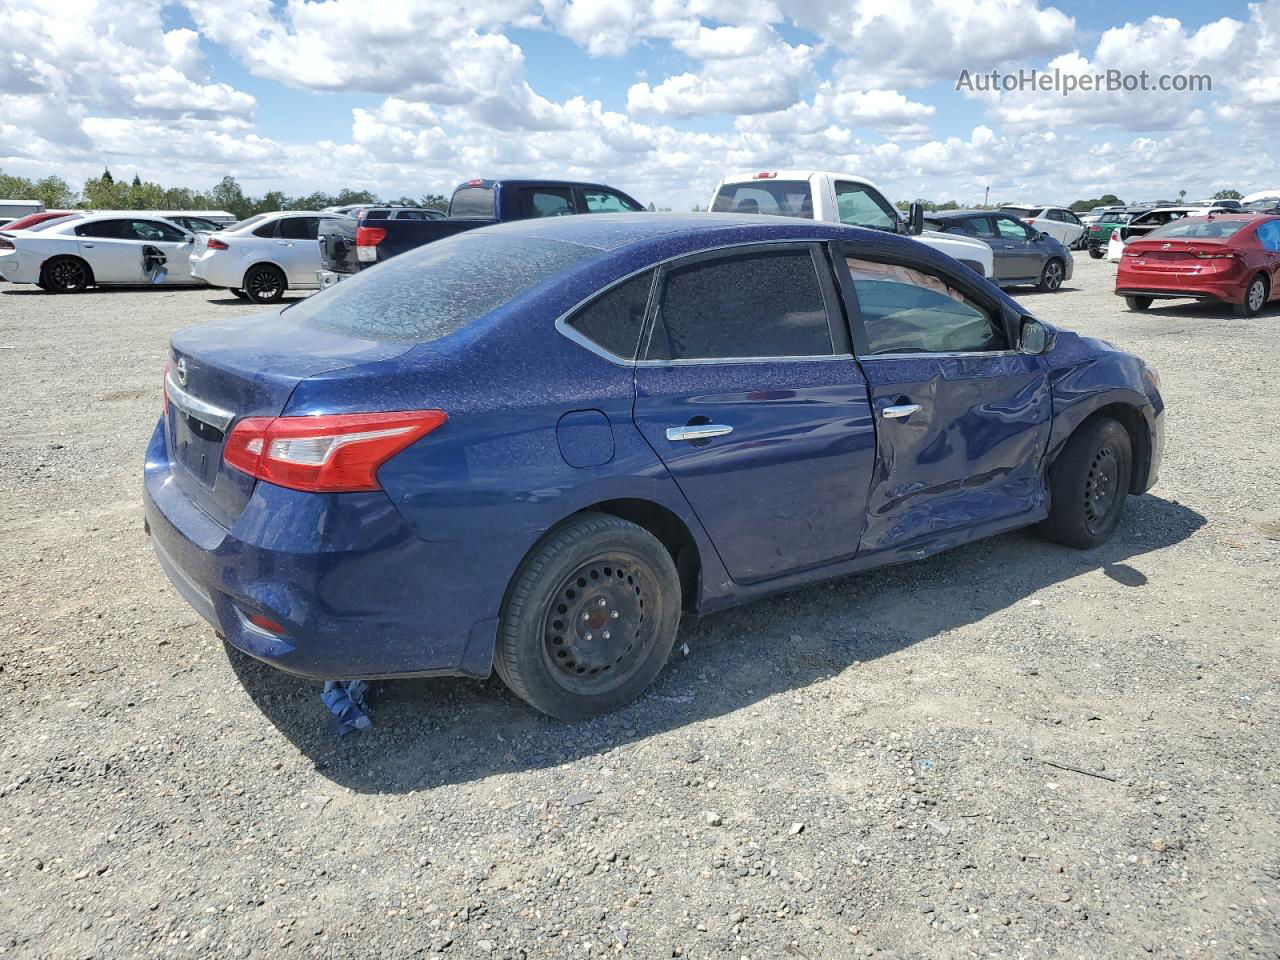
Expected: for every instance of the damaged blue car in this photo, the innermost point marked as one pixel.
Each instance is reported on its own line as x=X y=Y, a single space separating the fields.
x=533 y=447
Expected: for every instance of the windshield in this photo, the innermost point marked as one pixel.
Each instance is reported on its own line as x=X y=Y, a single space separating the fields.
x=438 y=289
x=1194 y=228
x=783 y=198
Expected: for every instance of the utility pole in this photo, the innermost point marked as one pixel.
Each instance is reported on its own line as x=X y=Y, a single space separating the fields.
x=986 y=198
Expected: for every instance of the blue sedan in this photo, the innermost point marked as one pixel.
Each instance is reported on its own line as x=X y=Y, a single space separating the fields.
x=533 y=447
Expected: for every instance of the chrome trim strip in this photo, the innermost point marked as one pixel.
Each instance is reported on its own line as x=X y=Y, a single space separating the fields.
x=934 y=356
x=196 y=408
x=695 y=362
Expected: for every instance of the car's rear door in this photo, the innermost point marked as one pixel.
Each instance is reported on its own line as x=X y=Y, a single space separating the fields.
x=962 y=417
x=111 y=250
x=748 y=392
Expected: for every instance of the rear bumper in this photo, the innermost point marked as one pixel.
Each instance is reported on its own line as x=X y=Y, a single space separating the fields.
x=1220 y=294
x=218 y=269
x=359 y=594
x=17 y=266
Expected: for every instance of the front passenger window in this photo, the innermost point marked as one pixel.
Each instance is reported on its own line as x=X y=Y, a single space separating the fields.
x=909 y=311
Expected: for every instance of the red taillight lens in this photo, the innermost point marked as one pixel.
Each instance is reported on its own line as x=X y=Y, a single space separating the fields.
x=764 y=175
x=475 y=183
x=329 y=454
x=1203 y=255
x=216 y=244
x=369 y=236
x=1115 y=234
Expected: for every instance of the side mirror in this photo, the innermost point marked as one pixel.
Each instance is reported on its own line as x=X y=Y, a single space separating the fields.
x=915 y=220
x=1034 y=338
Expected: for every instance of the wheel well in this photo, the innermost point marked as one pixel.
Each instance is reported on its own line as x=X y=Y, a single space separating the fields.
x=670 y=530
x=88 y=268
x=1130 y=417
x=263 y=263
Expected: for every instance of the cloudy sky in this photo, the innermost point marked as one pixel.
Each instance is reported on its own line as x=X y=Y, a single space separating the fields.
x=659 y=98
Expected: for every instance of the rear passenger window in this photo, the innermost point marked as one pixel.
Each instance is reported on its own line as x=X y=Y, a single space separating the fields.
x=909 y=311
x=268 y=229
x=766 y=304
x=106 y=229
x=547 y=202
x=615 y=319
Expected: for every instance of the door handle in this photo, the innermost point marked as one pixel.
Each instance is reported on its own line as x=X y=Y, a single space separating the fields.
x=699 y=431
x=88 y=245
x=900 y=410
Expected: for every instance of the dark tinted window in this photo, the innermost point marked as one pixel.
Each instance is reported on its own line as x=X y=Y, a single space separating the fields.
x=199 y=224
x=472 y=202
x=107 y=229
x=299 y=228
x=374 y=214
x=438 y=289
x=267 y=229
x=785 y=198
x=909 y=311
x=546 y=202
x=615 y=319
x=979 y=227
x=155 y=230
x=749 y=305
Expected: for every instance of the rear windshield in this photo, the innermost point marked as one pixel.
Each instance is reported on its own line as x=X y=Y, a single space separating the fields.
x=438 y=289
x=472 y=202
x=1026 y=213
x=1195 y=228
x=244 y=223
x=784 y=198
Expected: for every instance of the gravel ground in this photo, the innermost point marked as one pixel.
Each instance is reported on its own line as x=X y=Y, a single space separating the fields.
x=1012 y=750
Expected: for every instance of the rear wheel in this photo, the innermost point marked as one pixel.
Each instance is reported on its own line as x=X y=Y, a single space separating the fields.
x=1096 y=251
x=589 y=618
x=264 y=284
x=1137 y=303
x=1088 y=485
x=1051 y=276
x=65 y=275
x=1255 y=298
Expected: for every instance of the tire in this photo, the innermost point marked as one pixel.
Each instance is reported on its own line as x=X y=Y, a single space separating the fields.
x=239 y=293
x=581 y=583
x=1096 y=251
x=264 y=284
x=1255 y=298
x=1088 y=485
x=1137 y=303
x=1051 y=276
x=66 y=275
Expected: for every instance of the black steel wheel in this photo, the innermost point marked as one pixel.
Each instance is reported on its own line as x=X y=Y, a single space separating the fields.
x=264 y=284
x=66 y=275
x=590 y=617
x=1089 y=484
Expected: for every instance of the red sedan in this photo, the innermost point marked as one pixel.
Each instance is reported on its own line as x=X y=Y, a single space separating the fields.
x=1228 y=258
x=31 y=219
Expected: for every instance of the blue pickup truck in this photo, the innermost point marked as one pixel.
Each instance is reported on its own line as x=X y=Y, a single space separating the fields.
x=349 y=244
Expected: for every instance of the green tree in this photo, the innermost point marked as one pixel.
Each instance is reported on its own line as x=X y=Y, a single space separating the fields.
x=271 y=201
x=55 y=193
x=435 y=201
x=103 y=193
x=1228 y=195
x=228 y=196
x=1106 y=200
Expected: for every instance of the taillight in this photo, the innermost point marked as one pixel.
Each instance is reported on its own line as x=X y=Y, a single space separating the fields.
x=764 y=175
x=475 y=183
x=1115 y=234
x=6 y=244
x=1202 y=255
x=367 y=240
x=340 y=453
x=216 y=244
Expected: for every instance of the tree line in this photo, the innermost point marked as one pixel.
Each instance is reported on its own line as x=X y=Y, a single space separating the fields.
x=107 y=193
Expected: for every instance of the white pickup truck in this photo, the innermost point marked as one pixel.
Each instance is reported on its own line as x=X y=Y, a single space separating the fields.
x=839 y=198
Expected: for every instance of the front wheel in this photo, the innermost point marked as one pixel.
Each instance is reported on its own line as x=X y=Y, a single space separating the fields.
x=589 y=619
x=264 y=284
x=1137 y=303
x=1255 y=298
x=1088 y=485
x=1051 y=276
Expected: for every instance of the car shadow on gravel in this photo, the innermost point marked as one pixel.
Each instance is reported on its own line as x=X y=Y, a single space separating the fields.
x=431 y=732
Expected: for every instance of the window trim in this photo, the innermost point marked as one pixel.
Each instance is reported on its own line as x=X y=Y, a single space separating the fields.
x=821 y=266
x=997 y=310
x=876 y=197
x=564 y=322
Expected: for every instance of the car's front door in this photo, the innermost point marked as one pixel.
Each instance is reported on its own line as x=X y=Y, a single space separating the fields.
x=1021 y=257
x=962 y=417
x=1269 y=240
x=111 y=250
x=174 y=247
x=748 y=392
x=297 y=251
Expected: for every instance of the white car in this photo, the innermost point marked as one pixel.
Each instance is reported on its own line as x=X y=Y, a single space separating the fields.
x=1058 y=222
x=69 y=255
x=260 y=258
x=837 y=198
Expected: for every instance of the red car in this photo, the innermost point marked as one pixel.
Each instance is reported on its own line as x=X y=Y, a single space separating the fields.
x=1228 y=258
x=31 y=219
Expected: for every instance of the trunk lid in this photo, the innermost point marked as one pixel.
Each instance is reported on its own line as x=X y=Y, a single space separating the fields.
x=222 y=372
x=1176 y=255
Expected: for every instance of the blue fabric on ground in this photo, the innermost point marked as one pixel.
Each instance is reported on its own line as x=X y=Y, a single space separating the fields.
x=346 y=701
